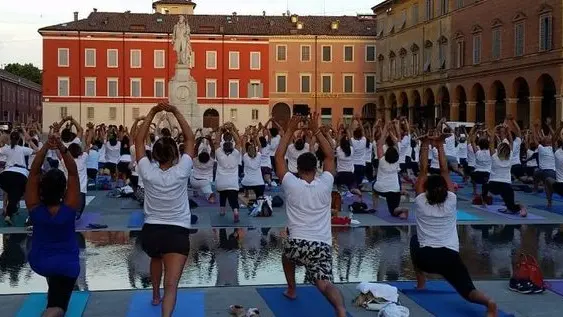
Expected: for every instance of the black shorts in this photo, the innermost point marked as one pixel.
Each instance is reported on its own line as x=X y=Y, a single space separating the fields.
x=393 y=200
x=467 y=170
x=92 y=173
x=442 y=261
x=347 y=179
x=530 y=170
x=434 y=171
x=517 y=170
x=158 y=240
x=123 y=168
x=60 y=290
x=558 y=188
x=112 y=167
x=480 y=177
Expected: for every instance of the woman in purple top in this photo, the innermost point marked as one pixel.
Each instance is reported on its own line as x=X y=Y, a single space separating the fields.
x=52 y=202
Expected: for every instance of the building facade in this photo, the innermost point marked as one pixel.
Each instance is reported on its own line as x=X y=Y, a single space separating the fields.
x=112 y=67
x=20 y=99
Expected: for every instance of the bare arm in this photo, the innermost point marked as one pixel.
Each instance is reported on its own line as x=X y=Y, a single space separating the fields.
x=32 y=195
x=189 y=138
x=279 y=157
x=444 y=170
x=423 y=175
x=140 y=151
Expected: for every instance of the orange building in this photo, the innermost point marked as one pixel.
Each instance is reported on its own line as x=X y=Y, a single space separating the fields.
x=112 y=67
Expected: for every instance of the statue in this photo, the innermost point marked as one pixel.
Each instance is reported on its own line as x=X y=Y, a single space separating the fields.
x=181 y=42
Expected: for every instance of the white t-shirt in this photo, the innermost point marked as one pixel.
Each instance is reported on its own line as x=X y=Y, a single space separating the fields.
x=309 y=216
x=265 y=160
x=483 y=161
x=166 y=192
x=500 y=170
x=112 y=152
x=344 y=163
x=15 y=156
x=252 y=171
x=75 y=141
x=227 y=170
x=203 y=171
x=93 y=159
x=449 y=146
x=546 y=157
x=369 y=150
x=559 y=165
x=404 y=147
x=416 y=152
x=292 y=154
x=515 y=157
x=102 y=157
x=436 y=225
x=359 y=151
x=470 y=156
x=534 y=162
x=387 y=178
x=435 y=160
x=82 y=172
x=462 y=150
x=274 y=143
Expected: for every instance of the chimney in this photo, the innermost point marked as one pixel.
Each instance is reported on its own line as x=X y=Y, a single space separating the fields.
x=166 y=11
x=95 y=10
x=235 y=14
x=75 y=15
x=263 y=13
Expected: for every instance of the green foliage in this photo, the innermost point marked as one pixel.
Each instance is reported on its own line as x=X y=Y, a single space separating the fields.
x=27 y=71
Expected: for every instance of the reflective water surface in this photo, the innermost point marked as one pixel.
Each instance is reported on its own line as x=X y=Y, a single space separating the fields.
x=114 y=260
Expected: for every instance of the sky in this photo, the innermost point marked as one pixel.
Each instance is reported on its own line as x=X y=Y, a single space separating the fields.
x=19 y=21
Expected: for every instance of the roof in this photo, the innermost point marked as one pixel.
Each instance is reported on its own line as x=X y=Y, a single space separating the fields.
x=173 y=2
x=219 y=24
x=381 y=5
x=19 y=80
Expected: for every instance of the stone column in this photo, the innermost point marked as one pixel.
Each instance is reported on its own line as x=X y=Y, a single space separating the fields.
x=490 y=112
x=512 y=107
x=387 y=114
x=411 y=114
x=535 y=109
x=558 y=110
x=454 y=111
x=471 y=111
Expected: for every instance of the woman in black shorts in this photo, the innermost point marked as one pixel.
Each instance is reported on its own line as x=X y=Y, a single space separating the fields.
x=345 y=166
x=435 y=247
x=165 y=234
x=483 y=161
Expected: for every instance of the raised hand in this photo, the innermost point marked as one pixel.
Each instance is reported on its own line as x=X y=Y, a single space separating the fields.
x=314 y=122
x=294 y=122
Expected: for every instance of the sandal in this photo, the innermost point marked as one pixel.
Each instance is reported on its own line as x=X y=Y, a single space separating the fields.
x=237 y=218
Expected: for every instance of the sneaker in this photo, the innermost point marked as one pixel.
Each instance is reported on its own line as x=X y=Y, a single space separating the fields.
x=274 y=184
x=521 y=286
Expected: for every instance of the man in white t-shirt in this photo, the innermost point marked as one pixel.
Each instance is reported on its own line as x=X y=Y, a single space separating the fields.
x=309 y=216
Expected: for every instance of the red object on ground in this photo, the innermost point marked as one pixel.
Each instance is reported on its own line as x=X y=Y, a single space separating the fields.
x=340 y=221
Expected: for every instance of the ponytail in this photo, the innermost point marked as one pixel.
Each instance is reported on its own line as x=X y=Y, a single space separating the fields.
x=14 y=139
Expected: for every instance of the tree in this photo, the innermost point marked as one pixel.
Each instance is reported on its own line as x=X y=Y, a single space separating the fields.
x=27 y=71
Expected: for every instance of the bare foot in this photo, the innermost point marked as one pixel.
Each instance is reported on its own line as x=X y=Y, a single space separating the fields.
x=341 y=312
x=156 y=300
x=290 y=294
x=549 y=205
x=523 y=212
x=404 y=215
x=211 y=199
x=420 y=281
x=492 y=309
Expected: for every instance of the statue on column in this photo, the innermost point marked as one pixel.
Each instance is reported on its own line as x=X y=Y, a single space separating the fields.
x=181 y=42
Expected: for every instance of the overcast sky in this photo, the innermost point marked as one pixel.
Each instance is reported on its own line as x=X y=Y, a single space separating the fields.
x=19 y=21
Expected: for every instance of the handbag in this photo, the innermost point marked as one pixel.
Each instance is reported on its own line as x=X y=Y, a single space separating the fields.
x=527 y=268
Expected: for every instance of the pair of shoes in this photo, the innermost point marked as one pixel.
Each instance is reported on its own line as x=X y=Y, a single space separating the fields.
x=524 y=287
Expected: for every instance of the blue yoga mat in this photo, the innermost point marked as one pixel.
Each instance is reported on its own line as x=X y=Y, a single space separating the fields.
x=35 y=304
x=441 y=300
x=188 y=303
x=309 y=302
x=136 y=219
x=465 y=216
x=558 y=209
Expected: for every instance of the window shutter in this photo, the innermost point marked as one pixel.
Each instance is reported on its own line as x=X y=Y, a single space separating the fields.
x=542 y=34
x=549 y=33
x=249 y=89
x=261 y=91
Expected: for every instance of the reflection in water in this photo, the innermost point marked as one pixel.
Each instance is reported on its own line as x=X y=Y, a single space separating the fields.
x=252 y=256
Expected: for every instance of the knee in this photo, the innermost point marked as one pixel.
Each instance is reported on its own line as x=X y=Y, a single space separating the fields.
x=323 y=285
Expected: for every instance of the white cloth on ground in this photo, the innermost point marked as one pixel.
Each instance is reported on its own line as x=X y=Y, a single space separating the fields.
x=385 y=291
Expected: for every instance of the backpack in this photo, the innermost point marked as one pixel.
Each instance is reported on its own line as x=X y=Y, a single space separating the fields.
x=262 y=208
x=527 y=268
x=358 y=208
x=277 y=202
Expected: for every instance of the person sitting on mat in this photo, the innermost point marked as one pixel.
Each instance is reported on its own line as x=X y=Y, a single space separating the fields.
x=556 y=186
x=309 y=215
x=53 y=202
x=165 y=233
x=435 y=247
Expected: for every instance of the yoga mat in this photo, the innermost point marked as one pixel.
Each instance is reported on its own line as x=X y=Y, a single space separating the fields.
x=202 y=202
x=558 y=209
x=89 y=199
x=310 y=302
x=136 y=219
x=493 y=209
x=128 y=203
x=86 y=219
x=441 y=300
x=469 y=197
x=188 y=303
x=227 y=220
x=465 y=216
x=18 y=219
x=556 y=286
x=383 y=214
x=35 y=304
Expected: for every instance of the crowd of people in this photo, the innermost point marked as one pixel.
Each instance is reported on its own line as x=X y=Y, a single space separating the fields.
x=165 y=161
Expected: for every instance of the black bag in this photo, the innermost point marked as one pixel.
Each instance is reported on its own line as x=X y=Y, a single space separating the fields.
x=358 y=208
x=277 y=202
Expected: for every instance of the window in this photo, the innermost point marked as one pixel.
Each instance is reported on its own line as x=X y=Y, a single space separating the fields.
x=519 y=33
x=158 y=58
x=281 y=53
x=233 y=89
x=135 y=58
x=380 y=70
x=415 y=63
x=112 y=87
x=112 y=58
x=392 y=68
x=347 y=115
x=459 y=4
x=90 y=87
x=476 y=49
x=90 y=59
x=495 y=54
x=112 y=113
x=234 y=60
x=63 y=57
x=442 y=55
x=429 y=14
x=135 y=113
x=255 y=115
x=546 y=33
x=63 y=86
x=211 y=88
x=305 y=53
x=305 y=83
x=444 y=6
x=348 y=53
x=370 y=84
x=63 y=112
x=211 y=60
x=255 y=63
x=90 y=113
x=234 y=114
x=255 y=89
x=135 y=87
x=327 y=53
x=326 y=116
x=460 y=54
x=281 y=81
x=326 y=83
x=402 y=66
x=370 y=53
x=159 y=88
x=348 y=84
x=415 y=14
